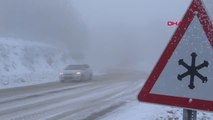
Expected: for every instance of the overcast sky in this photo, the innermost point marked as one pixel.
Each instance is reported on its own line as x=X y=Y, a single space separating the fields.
x=129 y=31
x=51 y=21
x=103 y=33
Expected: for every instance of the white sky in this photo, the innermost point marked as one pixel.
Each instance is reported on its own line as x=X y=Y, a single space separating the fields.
x=129 y=31
x=105 y=33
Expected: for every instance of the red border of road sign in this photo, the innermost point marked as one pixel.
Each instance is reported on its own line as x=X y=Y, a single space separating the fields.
x=196 y=8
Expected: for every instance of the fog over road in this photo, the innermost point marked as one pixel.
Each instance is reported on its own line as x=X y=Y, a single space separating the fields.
x=88 y=100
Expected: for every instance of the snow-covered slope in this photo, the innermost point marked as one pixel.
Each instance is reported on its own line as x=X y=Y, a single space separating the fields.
x=25 y=62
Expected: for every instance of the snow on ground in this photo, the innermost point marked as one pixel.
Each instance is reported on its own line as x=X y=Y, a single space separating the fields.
x=143 y=111
x=135 y=110
x=26 y=62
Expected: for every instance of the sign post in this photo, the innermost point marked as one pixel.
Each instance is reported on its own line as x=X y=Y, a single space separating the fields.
x=189 y=114
x=183 y=75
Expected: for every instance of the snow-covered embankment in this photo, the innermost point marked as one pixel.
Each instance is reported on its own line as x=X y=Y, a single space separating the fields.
x=26 y=63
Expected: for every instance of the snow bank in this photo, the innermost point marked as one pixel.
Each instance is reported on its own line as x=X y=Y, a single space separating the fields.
x=25 y=62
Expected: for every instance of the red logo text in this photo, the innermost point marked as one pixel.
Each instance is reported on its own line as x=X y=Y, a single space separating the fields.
x=173 y=23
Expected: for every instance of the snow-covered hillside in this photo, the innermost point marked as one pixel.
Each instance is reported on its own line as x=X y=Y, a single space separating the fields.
x=25 y=62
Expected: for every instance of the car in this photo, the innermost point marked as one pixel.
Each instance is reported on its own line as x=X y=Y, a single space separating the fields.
x=76 y=73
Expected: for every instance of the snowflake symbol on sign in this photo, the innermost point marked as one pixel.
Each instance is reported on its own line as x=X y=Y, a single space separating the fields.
x=193 y=70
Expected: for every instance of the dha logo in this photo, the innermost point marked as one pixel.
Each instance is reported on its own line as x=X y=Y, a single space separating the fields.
x=173 y=23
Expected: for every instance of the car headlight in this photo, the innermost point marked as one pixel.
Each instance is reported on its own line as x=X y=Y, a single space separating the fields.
x=78 y=73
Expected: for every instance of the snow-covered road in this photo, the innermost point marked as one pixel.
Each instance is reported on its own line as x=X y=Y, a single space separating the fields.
x=69 y=101
x=107 y=97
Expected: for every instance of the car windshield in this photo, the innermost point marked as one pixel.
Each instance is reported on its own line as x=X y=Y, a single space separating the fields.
x=75 y=67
